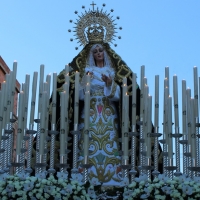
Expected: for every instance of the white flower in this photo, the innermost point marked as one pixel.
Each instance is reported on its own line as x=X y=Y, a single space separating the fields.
x=159 y=197
x=163 y=177
x=95 y=181
x=142 y=177
x=3 y=177
x=184 y=178
x=41 y=175
x=124 y=182
x=126 y=195
x=187 y=189
x=23 y=175
x=91 y=193
x=132 y=185
x=197 y=179
x=77 y=177
x=166 y=189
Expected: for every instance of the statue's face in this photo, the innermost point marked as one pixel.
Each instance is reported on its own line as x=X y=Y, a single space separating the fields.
x=98 y=54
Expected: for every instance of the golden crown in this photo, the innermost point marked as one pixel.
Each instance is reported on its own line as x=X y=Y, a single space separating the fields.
x=95 y=34
x=95 y=26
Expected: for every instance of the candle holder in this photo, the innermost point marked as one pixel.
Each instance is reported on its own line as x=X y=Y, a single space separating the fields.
x=185 y=159
x=17 y=164
x=63 y=164
x=170 y=168
x=133 y=134
x=194 y=168
x=75 y=134
x=30 y=132
x=125 y=167
x=4 y=157
x=197 y=125
x=2 y=150
x=177 y=135
x=140 y=123
x=165 y=154
x=8 y=147
x=156 y=135
x=37 y=141
x=86 y=166
x=39 y=166
x=53 y=134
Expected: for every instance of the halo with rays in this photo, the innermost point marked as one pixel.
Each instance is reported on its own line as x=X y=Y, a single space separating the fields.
x=95 y=18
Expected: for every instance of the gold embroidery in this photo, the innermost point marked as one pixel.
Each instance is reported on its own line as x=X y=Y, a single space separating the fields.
x=101 y=127
x=92 y=106
x=106 y=104
x=99 y=140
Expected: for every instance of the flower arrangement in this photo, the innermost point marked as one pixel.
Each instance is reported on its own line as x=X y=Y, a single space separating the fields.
x=22 y=186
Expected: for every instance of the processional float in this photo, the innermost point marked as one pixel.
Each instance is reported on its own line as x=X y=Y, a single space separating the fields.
x=172 y=138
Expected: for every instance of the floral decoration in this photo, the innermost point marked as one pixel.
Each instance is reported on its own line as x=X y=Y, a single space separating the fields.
x=22 y=186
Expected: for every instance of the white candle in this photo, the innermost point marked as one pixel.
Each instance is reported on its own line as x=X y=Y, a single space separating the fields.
x=149 y=126
x=20 y=123
x=170 y=146
x=3 y=87
x=6 y=99
x=126 y=126
x=142 y=91
x=40 y=88
x=62 y=124
x=54 y=101
x=13 y=83
x=43 y=122
x=66 y=114
x=34 y=88
x=167 y=75
x=175 y=90
x=156 y=111
x=124 y=92
x=87 y=87
x=134 y=89
x=126 y=106
x=2 y=106
x=48 y=80
x=196 y=113
x=86 y=122
x=145 y=114
x=124 y=81
x=126 y=138
x=66 y=88
x=87 y=77
x=193 y=129
x=67 y=78
x=165 y=114
x=8 y=95
x=66 y=69
x=76 y=102
x=26 y=99
x=188 y=114
x=184 y=127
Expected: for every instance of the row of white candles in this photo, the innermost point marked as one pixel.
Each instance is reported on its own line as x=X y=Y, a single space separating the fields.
x=146 y=109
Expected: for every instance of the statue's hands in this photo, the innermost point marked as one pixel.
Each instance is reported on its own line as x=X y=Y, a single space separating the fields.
x=106 y=79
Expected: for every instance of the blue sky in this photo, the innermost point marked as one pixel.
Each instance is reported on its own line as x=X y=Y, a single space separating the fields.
x=155 y=34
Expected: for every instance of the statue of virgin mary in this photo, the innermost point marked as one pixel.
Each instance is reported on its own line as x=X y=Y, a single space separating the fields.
x=106 y=70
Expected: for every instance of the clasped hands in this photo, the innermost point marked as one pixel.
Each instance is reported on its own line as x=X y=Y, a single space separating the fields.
x=106 y=79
